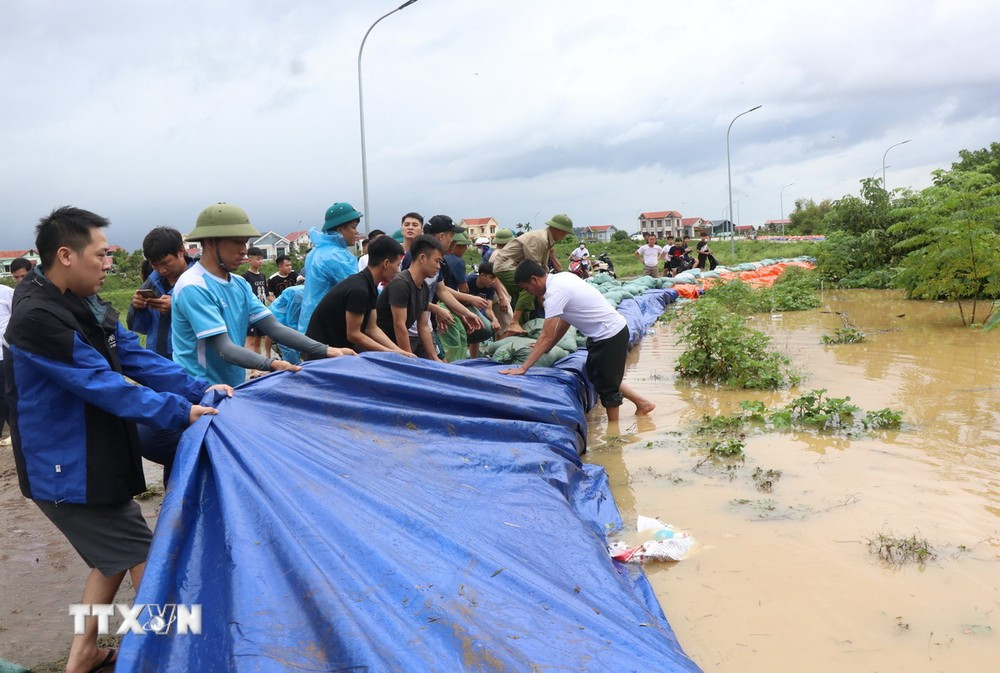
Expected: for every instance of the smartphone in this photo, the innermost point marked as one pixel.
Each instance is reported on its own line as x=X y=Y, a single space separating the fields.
x=148 y=293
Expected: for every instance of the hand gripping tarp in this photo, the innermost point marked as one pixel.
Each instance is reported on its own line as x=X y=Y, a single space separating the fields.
x=378 y=513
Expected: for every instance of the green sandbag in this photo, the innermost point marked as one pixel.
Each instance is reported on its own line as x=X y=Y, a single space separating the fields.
x=555 y=354
x=533 y=328
x=454 y=341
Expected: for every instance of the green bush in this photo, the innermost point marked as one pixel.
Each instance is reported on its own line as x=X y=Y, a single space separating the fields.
x=719 y=348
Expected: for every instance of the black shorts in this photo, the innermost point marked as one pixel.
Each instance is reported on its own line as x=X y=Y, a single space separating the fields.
x=606 y=366
x=111 y=538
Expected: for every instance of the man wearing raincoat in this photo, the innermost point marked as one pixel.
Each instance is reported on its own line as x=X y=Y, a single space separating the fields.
x=332 y=258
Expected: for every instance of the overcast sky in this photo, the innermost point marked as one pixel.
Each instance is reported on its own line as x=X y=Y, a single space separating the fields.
x=146 y=112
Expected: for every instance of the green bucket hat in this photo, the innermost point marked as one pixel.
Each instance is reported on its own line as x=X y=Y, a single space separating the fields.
x=339 y=214
x=561 y=222
x=397 y=236
x=503 y=237
x=223 y=220
x=461 y=239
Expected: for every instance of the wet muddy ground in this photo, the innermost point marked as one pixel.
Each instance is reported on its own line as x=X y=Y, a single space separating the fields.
x=779 y=581
x=785 y=581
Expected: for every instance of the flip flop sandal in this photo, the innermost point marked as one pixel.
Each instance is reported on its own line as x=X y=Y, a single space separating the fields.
x=108 y=663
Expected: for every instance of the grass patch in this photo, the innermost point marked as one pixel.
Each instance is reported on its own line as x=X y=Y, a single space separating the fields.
x=844 y=335
x=898 y=551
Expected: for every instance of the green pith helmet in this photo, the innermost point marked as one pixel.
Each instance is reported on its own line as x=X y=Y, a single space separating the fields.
x=340 y=214
x=561 y=222
x=223 y=220
x=503 y=237
x=461 y=239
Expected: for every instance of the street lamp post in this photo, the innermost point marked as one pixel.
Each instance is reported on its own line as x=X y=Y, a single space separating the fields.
x=361 y=110
x=883 y=161
x=729 y=170
x=738 y=218
x=781 y=195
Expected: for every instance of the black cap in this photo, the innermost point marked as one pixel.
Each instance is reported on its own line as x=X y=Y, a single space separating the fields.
x=440 y=224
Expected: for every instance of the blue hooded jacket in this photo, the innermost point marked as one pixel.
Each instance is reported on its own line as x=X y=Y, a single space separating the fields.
x=329 y=262
x=73 y=412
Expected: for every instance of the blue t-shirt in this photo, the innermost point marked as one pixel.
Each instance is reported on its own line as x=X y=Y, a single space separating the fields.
x=203 y=306
x=488 y=293
x=453 y=270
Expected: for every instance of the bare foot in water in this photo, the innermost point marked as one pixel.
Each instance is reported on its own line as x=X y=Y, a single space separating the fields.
x=644 y=408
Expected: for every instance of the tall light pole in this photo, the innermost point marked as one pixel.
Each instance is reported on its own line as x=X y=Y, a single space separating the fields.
x=781 y=195
x=738 y=218
x=729 y=170
x=883 y=161
x=361 y=110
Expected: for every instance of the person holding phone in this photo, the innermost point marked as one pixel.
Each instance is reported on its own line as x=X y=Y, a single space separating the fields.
x=149 y=313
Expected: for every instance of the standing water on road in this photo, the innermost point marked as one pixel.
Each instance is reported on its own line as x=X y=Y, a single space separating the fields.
x=785 y=580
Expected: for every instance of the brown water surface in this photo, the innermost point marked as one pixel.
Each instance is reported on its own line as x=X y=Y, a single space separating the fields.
x=786 y=582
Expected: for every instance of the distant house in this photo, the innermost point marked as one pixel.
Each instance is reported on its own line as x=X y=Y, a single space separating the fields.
x=8 y=256
x=661 y=223
x=272 y=245
x=777 y=225
x=299 y=240
x=695 y=226
x=599 y=232
x=476 y=227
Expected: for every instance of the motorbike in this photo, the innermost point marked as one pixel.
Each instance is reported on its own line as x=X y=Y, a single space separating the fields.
x=603 y=264
x=580 y=267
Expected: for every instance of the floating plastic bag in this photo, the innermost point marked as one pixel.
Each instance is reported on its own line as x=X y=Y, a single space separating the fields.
x=668 y=543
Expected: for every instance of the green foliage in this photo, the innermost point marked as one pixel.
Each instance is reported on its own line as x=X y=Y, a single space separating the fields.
x=845 y=335
x=953 y=243
x=813 y=410
x=883 y=418
x=620 y=235
x=793 y=290
x=729 y=447
x=808 y=216
x=719 y=348
x=986 y=160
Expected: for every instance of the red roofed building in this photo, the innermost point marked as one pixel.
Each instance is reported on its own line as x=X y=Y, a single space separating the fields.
x=479 y=226
x=8 y=256
x=661 y=223
x=299 y=240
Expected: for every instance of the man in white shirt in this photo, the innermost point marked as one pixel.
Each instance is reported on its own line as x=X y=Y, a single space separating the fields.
x=569 y=300
x=650 y=255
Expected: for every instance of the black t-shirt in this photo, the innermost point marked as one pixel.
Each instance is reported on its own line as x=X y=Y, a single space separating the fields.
x=354 y=294
x=489 y=292
x=276 y=284
x=401 y=291
x=703 y=248
x=258 y=283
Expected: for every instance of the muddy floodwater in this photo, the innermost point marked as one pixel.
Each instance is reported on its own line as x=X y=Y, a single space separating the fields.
x=784 y=581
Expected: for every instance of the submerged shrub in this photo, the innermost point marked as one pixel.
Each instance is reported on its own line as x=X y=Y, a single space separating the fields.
x=721 y=349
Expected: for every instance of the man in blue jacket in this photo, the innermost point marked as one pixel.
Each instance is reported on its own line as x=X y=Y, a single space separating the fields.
x=74 y=413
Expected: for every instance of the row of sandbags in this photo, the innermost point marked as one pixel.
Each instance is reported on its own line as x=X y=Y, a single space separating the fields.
x=515 y=350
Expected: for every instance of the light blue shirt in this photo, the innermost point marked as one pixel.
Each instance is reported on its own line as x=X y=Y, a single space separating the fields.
x=204 y=306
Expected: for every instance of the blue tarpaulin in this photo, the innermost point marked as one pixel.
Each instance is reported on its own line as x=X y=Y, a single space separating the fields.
x=379 y=513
